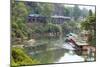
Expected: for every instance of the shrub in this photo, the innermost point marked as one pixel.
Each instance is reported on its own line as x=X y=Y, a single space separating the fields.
x=19 y=57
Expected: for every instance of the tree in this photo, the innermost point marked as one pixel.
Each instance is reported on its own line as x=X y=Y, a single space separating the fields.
x=53 y=28
x=66 y=11
x=90 y=22
x=90 y=13
x=42 y=9
x=19 y=15
x=84 y=12
x=76 y=12
x=33 y=6
x=90 y=25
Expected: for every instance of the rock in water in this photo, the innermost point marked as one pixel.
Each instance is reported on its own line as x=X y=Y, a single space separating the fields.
x=31 y=42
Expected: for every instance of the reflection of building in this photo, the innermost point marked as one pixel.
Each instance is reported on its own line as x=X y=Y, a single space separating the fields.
x=57 y=16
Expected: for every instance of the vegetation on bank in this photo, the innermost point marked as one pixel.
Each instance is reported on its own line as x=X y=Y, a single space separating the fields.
x=90 y=25
x=19 y=57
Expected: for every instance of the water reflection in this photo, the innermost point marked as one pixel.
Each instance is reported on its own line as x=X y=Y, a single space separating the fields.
x=71 y=58
x=49 y=56
x=50 y=53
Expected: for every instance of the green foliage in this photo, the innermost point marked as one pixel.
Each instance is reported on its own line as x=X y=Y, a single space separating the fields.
x=41 y=8
x=13 y=64
x=90 y=13
x=50 y=27
x=76 y=12
x=84 y=12
x=20 y=11
x=90 y=25
x=19 y=14
x=45 y=9
x=19 y=57
x=69 y=27
x=85 y=25
x=67 y=11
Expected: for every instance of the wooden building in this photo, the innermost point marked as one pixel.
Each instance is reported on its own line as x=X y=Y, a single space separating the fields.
x=36 y=18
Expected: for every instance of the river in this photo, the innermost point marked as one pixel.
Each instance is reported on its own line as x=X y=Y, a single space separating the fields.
x=54 y=52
